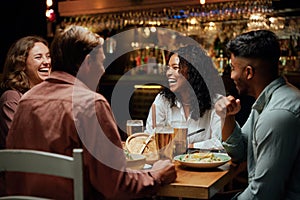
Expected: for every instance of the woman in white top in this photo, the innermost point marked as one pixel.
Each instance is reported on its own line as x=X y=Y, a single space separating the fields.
x=190 y=98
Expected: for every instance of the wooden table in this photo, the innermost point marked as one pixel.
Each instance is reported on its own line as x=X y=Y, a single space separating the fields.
x=198 y=183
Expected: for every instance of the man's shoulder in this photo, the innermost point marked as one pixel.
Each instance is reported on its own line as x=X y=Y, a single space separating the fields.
x=286 y=97
x=287 y=92
x=85 y=93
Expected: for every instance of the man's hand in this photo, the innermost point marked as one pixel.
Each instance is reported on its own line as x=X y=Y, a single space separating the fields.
x=165 y=171
x=227 y=106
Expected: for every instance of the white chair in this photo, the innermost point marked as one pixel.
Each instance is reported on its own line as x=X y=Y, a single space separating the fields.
x=20 y=160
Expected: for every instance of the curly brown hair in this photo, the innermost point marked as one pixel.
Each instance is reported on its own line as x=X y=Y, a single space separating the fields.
x=14 y=76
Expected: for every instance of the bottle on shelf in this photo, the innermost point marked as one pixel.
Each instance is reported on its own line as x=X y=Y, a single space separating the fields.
x=221 y=62
x=161 y=61
x=291 y=56
x=151 y=63
x=132 y=63
x=217 y=46
x=291 y=47
x=297 y=50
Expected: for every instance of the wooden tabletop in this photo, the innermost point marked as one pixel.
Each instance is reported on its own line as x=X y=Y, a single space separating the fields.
x=198 y=183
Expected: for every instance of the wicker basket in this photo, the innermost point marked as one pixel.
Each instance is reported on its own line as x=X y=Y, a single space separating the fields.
x=135 y=142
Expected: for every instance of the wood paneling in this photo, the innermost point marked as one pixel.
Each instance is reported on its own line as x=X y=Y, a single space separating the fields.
x=83 y=7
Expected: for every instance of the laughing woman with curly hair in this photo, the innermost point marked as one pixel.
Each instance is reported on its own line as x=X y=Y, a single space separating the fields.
x=193 y=87
x=27 y=63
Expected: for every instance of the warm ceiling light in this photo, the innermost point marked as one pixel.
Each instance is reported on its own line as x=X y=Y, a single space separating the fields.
x=49 y=13
x=147 y=86
x=193 y=21
x=49 y=3
x=202 y=1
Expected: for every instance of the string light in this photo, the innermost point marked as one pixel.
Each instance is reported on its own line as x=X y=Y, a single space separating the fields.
x=49 y=3
x=51 y=17
x=50 y=14
x=202 y=2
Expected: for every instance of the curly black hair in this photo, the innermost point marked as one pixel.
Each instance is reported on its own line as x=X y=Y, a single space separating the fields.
x=199 y=65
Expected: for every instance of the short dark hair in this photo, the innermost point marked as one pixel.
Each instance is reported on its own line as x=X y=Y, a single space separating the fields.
x=259 y=44
x=70 y=47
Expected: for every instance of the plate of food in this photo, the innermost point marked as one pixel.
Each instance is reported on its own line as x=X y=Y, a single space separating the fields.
x=203 y=160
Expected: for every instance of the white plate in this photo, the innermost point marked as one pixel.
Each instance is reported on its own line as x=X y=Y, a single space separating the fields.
x=147 y=166
x=224 y=157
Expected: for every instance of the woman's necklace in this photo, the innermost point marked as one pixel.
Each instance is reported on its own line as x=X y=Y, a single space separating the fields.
x=185 y=104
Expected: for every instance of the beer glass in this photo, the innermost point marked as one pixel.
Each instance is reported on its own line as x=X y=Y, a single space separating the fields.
x=134 y=126
x=180 y=137
x=164 y=136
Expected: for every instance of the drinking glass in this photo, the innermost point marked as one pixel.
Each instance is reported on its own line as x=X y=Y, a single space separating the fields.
x=134 y=126
x=164 y=136
x=180 y=138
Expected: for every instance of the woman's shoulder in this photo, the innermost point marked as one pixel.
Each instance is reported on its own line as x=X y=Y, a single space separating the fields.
x=11 y=95
x=160 y=98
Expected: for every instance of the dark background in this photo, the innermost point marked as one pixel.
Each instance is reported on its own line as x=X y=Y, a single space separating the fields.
x=20 y=18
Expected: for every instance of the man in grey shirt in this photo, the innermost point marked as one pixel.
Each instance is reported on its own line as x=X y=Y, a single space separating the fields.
x=270 y=139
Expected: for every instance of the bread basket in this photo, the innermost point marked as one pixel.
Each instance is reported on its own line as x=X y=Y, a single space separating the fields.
x=135 y=142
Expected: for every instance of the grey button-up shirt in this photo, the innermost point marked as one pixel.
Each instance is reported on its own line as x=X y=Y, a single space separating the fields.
x=270 y=141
